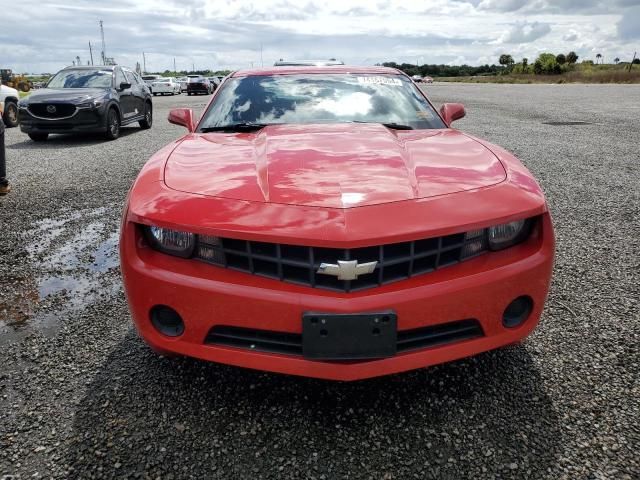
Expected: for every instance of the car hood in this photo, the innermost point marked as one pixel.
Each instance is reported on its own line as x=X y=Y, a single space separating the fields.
x=74 y=95
x=333 y=166
x=6 y=91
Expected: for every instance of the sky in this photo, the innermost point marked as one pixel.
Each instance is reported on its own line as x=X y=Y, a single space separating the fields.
x=228 y=34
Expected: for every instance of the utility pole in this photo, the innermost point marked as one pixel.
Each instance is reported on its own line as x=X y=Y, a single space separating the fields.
x=632 y=60
x=174 y=66
x=91 y=53
x=144 y=63
x=104 y=48
x=261 y=60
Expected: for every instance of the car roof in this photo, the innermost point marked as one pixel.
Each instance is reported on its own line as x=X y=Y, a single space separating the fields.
x=93 y=67
x=307 y=63
x=320 y=69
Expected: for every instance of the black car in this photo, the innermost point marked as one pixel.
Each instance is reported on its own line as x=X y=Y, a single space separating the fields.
x=196 y=85
x=87 y=99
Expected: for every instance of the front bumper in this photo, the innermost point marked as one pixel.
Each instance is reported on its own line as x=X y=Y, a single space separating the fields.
x=85 y=120
x=207 y=296
x=197 y=89
x=164 y=89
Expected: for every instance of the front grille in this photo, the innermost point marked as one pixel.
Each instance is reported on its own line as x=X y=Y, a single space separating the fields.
x=291 y=343
x=299 y=264
x=43 y=110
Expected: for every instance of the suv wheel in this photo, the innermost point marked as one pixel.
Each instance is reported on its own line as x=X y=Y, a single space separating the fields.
x=148 y=117
x=10 y=116
x=113 y=124
x=38 y=137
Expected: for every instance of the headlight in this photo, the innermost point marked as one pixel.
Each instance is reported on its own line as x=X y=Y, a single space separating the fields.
x=494 y=238
x=507 y=234
x=91 y=104
x=22 y=104
x=169 y=241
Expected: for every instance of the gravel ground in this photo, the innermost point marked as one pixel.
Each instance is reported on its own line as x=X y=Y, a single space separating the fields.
x=82 y=397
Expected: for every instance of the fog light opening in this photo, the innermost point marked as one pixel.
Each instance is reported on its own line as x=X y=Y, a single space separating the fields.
x=517 y=311
x=167 y=321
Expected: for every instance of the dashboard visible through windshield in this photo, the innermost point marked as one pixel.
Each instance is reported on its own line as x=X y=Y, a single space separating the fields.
x=320 y=98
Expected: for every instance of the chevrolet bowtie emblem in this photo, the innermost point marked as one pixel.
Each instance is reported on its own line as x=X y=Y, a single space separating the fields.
x=347 y=269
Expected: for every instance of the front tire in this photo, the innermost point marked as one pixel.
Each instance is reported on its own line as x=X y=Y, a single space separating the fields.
x=113 y=125
x=38 y=137
x=10 y=116
x=148 y=117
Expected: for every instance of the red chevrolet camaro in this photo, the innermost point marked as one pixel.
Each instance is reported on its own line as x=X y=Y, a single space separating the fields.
x=328 y=222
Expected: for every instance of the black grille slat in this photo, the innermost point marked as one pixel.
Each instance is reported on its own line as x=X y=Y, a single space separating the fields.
x=455 y=331
x=299 y=264
x=291 y=343
x=259 y=340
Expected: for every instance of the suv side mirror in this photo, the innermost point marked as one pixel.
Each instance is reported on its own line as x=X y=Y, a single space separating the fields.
x=182 y=116
x=125 y=85
x=451 y=112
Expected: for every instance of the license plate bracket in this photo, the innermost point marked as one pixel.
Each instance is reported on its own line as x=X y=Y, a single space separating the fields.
x=349 y=336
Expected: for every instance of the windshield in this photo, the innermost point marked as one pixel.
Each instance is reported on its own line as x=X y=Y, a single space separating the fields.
x=196 y=80
x=81 y=78
x=321 y=98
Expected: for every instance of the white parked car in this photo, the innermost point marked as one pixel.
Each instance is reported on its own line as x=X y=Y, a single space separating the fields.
x=183 y=83
x=165 y=85
x=416 y=78
x=9 y=99
x=149 y=79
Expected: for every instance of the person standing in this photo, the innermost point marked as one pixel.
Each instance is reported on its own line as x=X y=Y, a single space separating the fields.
x=4 y=183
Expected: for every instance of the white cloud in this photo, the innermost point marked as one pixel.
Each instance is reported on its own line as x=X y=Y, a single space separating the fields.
x=524 y=32
x=225 y=34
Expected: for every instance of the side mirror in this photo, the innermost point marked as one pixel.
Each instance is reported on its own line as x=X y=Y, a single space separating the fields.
x=451 y=112
x=125 y=85
x=182 y=116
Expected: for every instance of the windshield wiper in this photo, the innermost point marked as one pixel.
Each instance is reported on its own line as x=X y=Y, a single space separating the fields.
x=393 y=125
x=235 y=127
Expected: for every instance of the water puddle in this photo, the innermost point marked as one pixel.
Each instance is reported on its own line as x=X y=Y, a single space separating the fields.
x=75 y=262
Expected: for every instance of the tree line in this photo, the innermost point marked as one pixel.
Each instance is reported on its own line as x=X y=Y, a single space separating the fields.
x=444 y=70
x=544 y=64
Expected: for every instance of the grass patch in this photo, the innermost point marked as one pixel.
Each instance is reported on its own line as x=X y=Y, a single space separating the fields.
x=605 y=75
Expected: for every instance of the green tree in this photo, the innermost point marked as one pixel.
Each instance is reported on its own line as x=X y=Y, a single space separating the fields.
x=506 y=60
x=572 y=58
x=546 y=63
x=616 y=60
x=598 y=57
x=561 y=59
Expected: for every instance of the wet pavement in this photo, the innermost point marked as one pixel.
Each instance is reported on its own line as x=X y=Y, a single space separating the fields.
x=76 y=258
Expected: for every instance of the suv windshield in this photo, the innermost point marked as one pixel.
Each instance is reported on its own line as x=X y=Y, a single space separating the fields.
x=195 y=79
x=81 y=78
x=320 y=98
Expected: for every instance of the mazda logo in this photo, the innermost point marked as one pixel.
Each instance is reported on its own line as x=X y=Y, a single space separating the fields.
x=51 y=108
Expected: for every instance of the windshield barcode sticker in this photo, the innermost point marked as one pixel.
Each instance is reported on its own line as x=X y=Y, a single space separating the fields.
x=380 y=80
